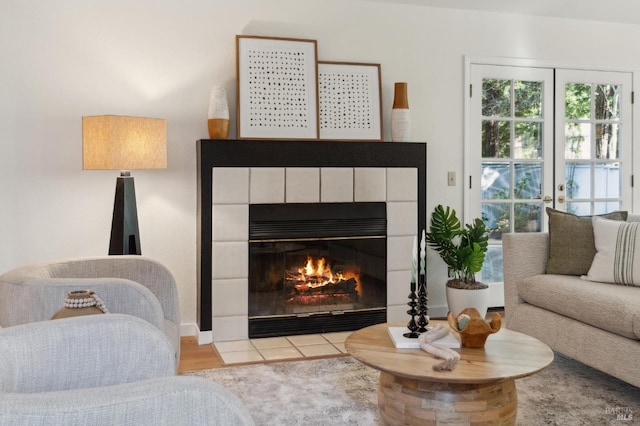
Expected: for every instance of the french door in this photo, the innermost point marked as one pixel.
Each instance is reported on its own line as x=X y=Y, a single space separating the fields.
x=543 y=137
x=593 y=141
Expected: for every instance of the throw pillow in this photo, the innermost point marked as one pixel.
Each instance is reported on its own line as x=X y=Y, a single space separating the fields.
x=571 y=246
x=617 y=258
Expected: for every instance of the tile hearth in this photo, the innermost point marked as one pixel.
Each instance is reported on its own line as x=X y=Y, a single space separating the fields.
x=281 y=348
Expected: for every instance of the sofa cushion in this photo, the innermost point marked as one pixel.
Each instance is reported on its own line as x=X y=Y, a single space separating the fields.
x=612 y=308
x=617 y=258
x=571 y=245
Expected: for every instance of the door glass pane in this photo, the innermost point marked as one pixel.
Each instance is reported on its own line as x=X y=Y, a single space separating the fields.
x=496 y=178
x=496 y=137
x=496 y=98
x=497 y=217
x=577 y=180
x=607 y=176
x=492 y=267
x=527 y=217
x=528 y=181
x=593 y=130
x=607 y=102
x=527 y=99
x=527 y=141
x=577 y=141
x=606 y=207
x=512 y=125
x=607 y=137
x=580 y=209
x=577 y=101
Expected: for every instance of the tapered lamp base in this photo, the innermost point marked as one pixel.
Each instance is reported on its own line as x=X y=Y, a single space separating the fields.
x=125 y=236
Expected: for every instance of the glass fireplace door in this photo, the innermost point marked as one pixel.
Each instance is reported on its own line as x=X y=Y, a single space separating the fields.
x=316 y=260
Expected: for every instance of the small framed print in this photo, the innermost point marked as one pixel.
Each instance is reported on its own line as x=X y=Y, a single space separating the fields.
x=277 y=88
x=350 y=101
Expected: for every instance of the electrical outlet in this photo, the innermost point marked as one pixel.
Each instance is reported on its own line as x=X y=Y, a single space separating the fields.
x=451 y=178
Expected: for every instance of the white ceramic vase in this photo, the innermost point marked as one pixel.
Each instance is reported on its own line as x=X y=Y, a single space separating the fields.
x=400 y=114
x=218 y=115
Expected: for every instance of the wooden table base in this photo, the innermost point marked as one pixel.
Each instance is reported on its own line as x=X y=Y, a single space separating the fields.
x=405 y=401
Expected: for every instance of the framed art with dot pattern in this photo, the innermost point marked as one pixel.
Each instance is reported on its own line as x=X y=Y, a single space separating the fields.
x=350 y=101
x=277 y=88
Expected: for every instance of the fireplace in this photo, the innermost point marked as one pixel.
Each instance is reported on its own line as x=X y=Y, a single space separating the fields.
x=316 y=267
x=233 y=175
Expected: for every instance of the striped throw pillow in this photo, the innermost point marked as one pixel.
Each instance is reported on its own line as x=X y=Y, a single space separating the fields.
x=617 y=258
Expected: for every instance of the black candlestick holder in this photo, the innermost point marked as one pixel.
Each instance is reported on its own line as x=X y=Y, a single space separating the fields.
x=423 y=318
x=412 y=325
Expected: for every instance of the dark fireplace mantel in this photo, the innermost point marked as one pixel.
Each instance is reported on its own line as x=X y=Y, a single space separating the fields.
x=276 y=153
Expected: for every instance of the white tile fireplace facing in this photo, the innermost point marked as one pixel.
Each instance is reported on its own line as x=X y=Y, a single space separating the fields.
x=234 y=189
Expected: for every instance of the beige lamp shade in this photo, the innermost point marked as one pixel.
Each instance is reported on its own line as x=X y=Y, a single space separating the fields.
x=113 y=142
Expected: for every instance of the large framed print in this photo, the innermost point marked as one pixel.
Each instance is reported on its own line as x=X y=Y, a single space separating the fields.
x=277 y=88
x=350 y=101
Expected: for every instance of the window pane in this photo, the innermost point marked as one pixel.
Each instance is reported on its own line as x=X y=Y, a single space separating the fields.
x=577 y=101
x=497 y=217
x=527 y=217
x=496 y=136
x=577 y=180
x=528 y=140
x=607 y=180
x=496 y=98
x=577 y=141
x=495 y=181
x=528 y=181
x=607 y=137
x=492 y=267
x=580 y=209
x=527 y=99
x=607 y=102
x=602 y=208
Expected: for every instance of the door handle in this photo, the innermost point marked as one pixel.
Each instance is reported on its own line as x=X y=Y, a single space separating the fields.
x=561 y=198
x=547 y=199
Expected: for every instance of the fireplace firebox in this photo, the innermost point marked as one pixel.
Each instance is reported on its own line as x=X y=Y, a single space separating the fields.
x=316 y=267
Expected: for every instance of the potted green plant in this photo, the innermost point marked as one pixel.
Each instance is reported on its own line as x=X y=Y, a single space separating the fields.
x=463 y=249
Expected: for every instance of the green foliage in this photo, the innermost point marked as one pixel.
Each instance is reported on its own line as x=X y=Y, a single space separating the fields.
x=462 y=248
x=577 y=100
x=496 y=107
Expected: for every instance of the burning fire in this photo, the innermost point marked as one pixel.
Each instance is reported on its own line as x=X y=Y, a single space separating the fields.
x=319 y=274
x=315 y=274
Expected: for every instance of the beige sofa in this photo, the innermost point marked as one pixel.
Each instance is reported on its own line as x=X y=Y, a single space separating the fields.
x=595 y=323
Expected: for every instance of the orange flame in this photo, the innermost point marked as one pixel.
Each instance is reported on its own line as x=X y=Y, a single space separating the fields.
x=318 y=273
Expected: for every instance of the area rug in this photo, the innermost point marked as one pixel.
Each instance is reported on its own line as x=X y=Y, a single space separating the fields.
x=342 y=391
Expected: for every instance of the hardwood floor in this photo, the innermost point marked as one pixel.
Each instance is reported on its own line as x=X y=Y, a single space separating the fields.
x=197 y=357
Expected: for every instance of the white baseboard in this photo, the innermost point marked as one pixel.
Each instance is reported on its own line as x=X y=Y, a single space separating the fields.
x=192 y=329
x=189 y=329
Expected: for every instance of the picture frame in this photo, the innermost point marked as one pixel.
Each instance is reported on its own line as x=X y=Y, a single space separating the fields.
x=350 y=101
x=277 y=88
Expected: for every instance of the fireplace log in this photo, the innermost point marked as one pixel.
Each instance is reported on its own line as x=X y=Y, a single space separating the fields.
x=344 y=286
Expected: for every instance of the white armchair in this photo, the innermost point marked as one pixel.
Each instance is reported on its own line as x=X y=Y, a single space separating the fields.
x=132 y=285
x=109 y=369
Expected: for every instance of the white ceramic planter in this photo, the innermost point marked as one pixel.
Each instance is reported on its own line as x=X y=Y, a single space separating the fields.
x=458 y=300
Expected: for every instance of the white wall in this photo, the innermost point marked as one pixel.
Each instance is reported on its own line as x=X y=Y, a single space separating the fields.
x=158 y=58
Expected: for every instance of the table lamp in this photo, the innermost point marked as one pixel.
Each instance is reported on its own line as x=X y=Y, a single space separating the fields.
x=112 y=142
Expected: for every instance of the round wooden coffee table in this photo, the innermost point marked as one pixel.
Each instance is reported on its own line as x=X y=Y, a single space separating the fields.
x=481 y=389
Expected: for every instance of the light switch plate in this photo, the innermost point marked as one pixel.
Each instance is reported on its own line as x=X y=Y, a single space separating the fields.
x=451 y=178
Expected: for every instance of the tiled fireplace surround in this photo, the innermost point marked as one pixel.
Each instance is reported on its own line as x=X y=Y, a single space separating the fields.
x=235 y=188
